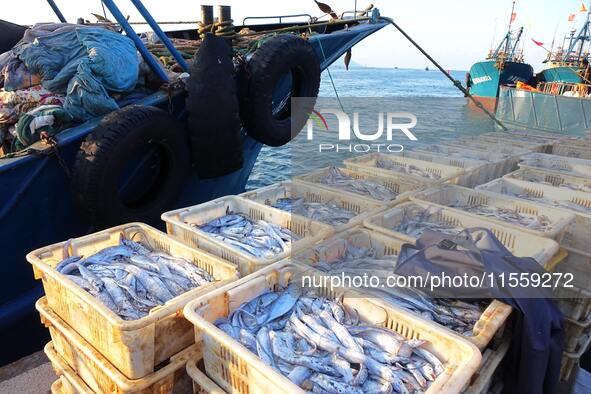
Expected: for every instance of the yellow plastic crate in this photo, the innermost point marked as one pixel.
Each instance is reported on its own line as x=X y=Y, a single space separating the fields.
x=235 y=369
x=572 y=149
x=401 y=186
x=309 y=231
x=491 y=360
x=448 y=195
x=557 y=164
x=492 y=319
x=69 y=348
x=580 y=202
x=310 y=193
x=570 y=361
x=68 y=382
x=443 y=172
x=563 y=181
x=202 y=384
x=519 y=243
x=476 y=171
x=135 y=347
x=499 y=161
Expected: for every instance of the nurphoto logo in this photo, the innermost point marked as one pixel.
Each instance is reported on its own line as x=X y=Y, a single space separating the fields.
x=351 y=137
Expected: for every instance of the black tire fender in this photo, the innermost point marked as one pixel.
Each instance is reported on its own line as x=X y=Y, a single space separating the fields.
x=276 y=58
x=104 y=154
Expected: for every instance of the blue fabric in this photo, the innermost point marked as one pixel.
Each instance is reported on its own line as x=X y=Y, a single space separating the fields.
x=84 y=63
x=538 y=333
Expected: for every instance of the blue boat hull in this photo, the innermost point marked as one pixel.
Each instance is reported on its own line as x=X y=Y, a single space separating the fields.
x=36 y=207
x=485 y=77
x=560 y=74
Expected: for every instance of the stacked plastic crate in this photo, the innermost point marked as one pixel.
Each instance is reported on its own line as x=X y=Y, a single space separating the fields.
x=93 y=349
x=563 y=182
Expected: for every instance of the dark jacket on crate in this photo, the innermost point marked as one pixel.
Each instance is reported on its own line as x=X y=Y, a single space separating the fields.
x=533 y=361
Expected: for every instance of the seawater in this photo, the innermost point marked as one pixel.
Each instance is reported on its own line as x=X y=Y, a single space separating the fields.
x=441 y=110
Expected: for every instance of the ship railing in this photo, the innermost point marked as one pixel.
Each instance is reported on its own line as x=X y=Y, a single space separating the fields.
x=560 y=88
x=281 y=18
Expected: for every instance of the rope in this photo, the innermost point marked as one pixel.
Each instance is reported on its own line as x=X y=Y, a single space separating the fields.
x=222 y=29
x=334 y=87
x=456 y=83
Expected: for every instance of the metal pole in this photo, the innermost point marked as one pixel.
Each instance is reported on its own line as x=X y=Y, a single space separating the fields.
x=57 y=11
x=457 y=83
x=147 y=55
x=163 y=37
x=510 y=23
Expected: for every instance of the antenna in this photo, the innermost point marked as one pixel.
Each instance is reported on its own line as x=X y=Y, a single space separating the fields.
x=492 y=42
x=554 y=38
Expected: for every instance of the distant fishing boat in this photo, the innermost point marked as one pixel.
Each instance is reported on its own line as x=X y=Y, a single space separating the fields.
x=570 y=65
x=503 y=66
x=563 y=89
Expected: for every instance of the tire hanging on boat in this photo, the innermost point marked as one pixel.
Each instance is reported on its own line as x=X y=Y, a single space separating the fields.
x=212 y=104
x=281 y=61
x=10 y=35
x=131 y=167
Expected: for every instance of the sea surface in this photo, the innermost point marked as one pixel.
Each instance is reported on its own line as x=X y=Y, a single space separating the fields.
x=441 y=110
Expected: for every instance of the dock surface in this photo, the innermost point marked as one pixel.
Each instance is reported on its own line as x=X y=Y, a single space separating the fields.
x=30 y=375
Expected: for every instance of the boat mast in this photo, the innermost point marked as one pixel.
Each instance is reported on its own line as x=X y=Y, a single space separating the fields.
x=519 y=33
x=584 y=36
x=508 y=37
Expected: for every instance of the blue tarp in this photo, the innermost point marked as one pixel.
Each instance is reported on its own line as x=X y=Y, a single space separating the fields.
x=84 y=63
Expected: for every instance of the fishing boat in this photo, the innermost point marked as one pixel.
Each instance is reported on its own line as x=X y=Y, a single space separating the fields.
x=569 y=63
x=41 y=205
x=560 y=100
x=502 y=66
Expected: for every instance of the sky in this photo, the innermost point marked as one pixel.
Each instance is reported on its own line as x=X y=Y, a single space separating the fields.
x=456 y=33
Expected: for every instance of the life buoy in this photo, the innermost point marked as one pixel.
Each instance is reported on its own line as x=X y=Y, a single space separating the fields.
x=131 y=167
x=283 y=59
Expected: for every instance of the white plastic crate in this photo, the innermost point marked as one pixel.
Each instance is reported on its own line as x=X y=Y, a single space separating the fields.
x=182 y=223
x=578 y=202
x=434 y=173
x=572 y=149
x=557 y=164
x=456 y=197
x=574 y=330
x=360 y=206
x=519 y=243
x=498 y=161
x=492 y=319
x=237 y=370
x=570 y=361
x=475 y=170
x=402 y=187
x=565 y=181
x=575 y=303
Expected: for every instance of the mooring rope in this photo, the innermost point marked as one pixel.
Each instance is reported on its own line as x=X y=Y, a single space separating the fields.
x=456 y=83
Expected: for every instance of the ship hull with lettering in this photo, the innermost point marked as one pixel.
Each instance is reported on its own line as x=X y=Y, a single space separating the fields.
x=487 y=76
